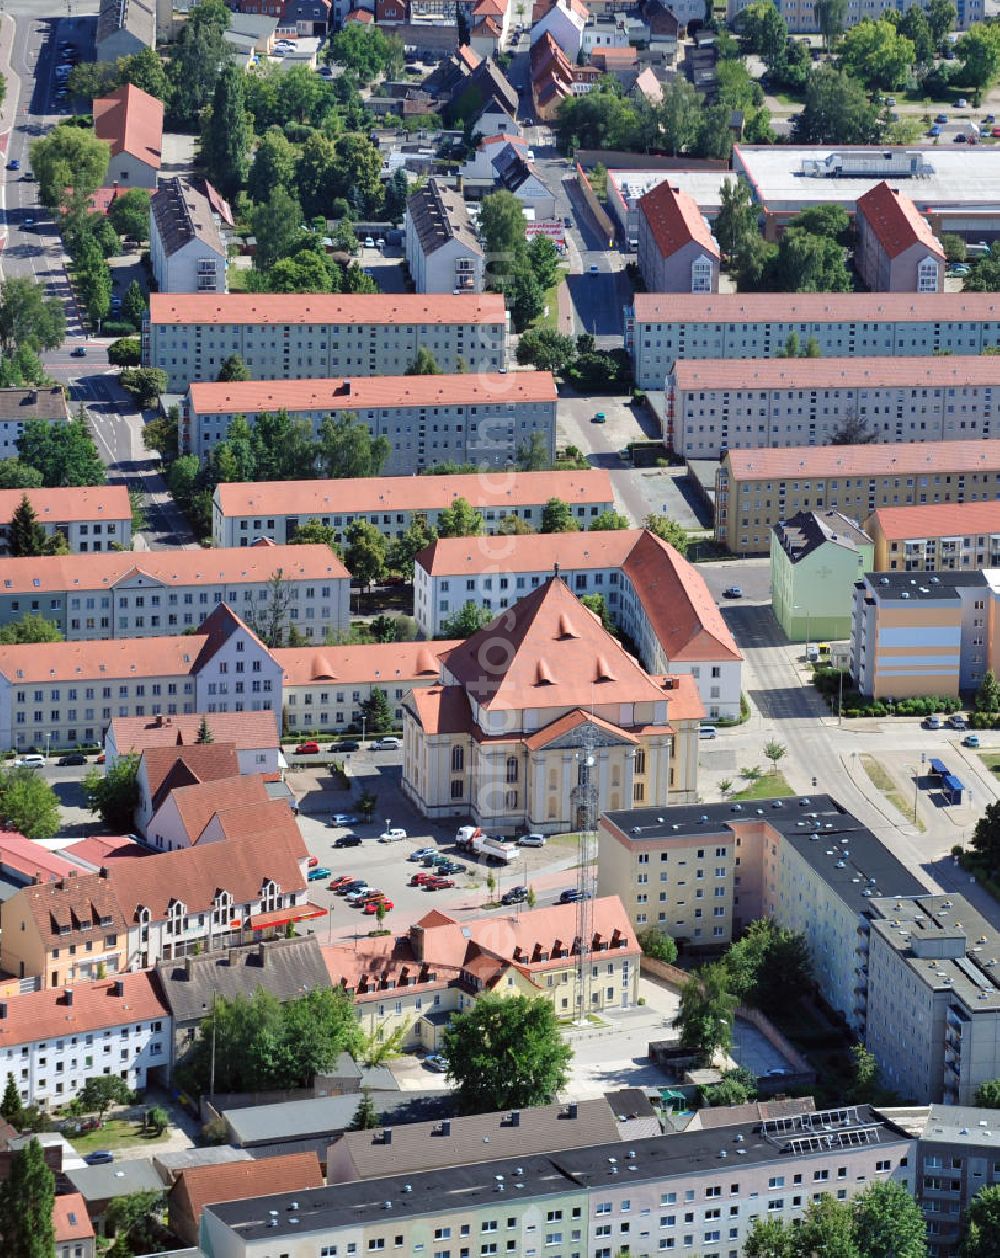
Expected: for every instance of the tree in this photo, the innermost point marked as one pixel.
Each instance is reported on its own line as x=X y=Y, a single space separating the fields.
x=769 y=1238
x=597 y=604
x=942 y=17
x=70 y=165
x=985 y=840
x=205 y=734
x=826 y=1228
x=100 y=1092
x=276 y=226
x=30 y=628
x=668 y=531
x=981 y=1238
x=366 y=553
x=679 y=116
x=197 y=60
x=314 y=533
x=29 y=805
x=766 y=963
x=273 y=167
x=501 y=222
x=737 y=227
x=227 y=134
x=736 y=1088
x=979 y=52
x=114 y=794
x=465 y=622
x=146 y=71
x=557 y=517
x=158 y=1119
x=460 y=520
x=133 y=1221
x=863 y=1088
x=888 y=1221
x=915 y=26
x=546 y=349
x=366 y=1116
x=417 y=537
x=830 y=17
x=506 y=1052
x=26 y=1200
x=92 y=78
x=27 y=537
x=763 y=31
x=805 y=263
x=65 y=454
x=609 y=520
x=424 y=364
x=533 y=456
x=775 y=751
x=836 y=111
x=128 y=214
x=985 y=276
x=706 y=1012
x=657 y=944
x=11 y=1106
x=17 y=475
x=346 y=447
x=145 y=384
x=524 y=297
x=125 y=352
x=877 y=54
x=28 y=319
x=377 y=711
x=134 y=304
x=367 y=52
x=543 y=258
x=233 y=369
x=829 y=220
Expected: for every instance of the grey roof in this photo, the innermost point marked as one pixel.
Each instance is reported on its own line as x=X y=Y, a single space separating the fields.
x=183 y=214
x=486 y=82
x=347 y=1070
x=255 y=25
x=137 y=18
x=321 y=1115
x=25 y=404
x=481 y=1138
x=924 y=586
x=436 y=1192
x=838 y=847
x=713 y=1116
x=171 y=1164
x=807 y=531
x=100 y=1183
x=283 y=967
x=514 y=170
x=439 y=215
x=948 y=1124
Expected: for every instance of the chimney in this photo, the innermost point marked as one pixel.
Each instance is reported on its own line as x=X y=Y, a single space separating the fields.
x=571 y=1110
x=515 y=1118
x=119 y=988
x=233 y=955
x=158 y=723
x=104 y=872
x=445 y=1126
x=188 y=966
x=68 y=993
x=387 y=1136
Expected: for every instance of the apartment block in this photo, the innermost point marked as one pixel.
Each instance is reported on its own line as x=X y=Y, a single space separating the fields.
x=695 y=1190
x=896 y=250
x=242 y=513
x=936 y=538
x=801 y=14
x=186 y=248
x=676 y=249
x=311 y=336
x=480 y=418
x=92 y=518
x=59 y=694
x=662 y=328
x=816 y=558
x=253 y=734
x=163 y=592
x=651 y=592
x=716 y=405
x=923 y=634
x=443 y=252
x=17 y=406
x=53 y=1041
x=755 y=489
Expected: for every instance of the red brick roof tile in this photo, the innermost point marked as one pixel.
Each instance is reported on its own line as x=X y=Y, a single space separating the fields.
x=896 y=221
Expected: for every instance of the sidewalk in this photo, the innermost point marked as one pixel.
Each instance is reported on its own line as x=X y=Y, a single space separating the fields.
x=8 y=111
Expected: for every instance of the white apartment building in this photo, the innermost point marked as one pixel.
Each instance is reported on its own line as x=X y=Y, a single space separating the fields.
x=92 y=518
x=186 y=249
x=801 y=14
x=308 y=336
x=242 y=512
x=651 y=592
x=17 y=406
x=163 y=592
x=52 y=1041
x=483 y=418
x=59 y=694
x=715 y=405
x=443 y=252
x=661 y=328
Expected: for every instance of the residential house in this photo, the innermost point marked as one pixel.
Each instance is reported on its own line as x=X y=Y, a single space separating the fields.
x=244 y=512
x=72 y=1229
x=391 y=12
x=516 y=172
x=55 y=1039
x=481 y=166
x=254 y=31
x=162 y=770
x=601 y=31
x=564 y=21
x=801 y=17
x=677 y=251
x=896 y=250
x=554 y=77
x=90 y=518
x=187 y=251
x=556 y=681
x=284 y=968
x=417 y=980
x=125 y=27
x=60 y=694
x=651 y=593
x=199 y=1186
x=816 y=558
x=935 y=537
x=443 y=252
x=255 y=736
x=648 y=87
x=483 y=90
x=488 y=26
x=664 y=25
x=305 y=18
x=210 y=810
x=17 y=406
x=131 y=122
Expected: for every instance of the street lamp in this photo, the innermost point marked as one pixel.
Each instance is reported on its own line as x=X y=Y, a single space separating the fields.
x=798 y=608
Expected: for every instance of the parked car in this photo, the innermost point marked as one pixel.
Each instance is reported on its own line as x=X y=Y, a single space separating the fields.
x=707 y=731
x=348 y=840
x=360 y=894
x=389 y=743
x=957 y=721
x=941 y=119
x=961 y=103
x=600 y=418
x=961 y=138
x=13 y=164
x=420 y=879
x=31 y=761
x=348 y=744
x=392 y=835
x=342 y=881
x=437 y=1062
x=319 y=874
x=353 y=884
x=343 y=819
x=74 y=757
x=312 y=862
x=571 y=895
x=371 y=906
x=450 y=867
x=100 y=1157
x=531 y=840
x=307 y=749
x=79 y=352
x=932 y=722
x=733 y=591
x=971 y=740
x=437 y=883
x=934 y=131
x=421 y=853
x=516 y=895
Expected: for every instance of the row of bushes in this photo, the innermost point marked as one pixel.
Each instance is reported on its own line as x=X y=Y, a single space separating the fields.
x=827 y=682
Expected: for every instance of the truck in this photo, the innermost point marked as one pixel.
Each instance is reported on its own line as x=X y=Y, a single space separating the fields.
x=473 y=840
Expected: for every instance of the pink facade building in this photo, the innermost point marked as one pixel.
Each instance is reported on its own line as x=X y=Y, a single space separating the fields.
x=896 y=251
x=677 y=251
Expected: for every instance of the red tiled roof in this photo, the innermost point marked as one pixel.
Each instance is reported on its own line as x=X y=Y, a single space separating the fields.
x=49 y=1013
x=323 y=308
x=442 y=710
x=32 y=860
x=737 y=309
x=132 y=122
x=245 y=730
x=485 y=491
x=806 y=462
x=63 y=506
x=175 y=767
x=68 y=911
x=100 y=849
x=935 y=371
x=938 y=519
x=365 y=392
x=675 y=220
x=384 y=663
x=72 y=661
x=197 y=805
x=199 y=1186
x=359 y=15
x=70 y=1219
x=896 y=221
x=469 y=56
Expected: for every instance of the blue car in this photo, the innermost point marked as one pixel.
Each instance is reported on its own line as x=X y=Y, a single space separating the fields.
x=14 y=164
x=319 y=873
x=935 y=130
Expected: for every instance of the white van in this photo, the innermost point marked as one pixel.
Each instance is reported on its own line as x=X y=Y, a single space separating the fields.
x=392 y=835
x=707 y=731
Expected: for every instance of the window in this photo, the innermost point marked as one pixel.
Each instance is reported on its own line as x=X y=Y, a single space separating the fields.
x=458 y=759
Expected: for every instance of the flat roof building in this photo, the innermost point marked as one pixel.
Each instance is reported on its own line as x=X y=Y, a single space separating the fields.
x=285 y=336
x=757 y=488
x=662 y=328
x=475 y=417
x=245 y=511
x=627 y=187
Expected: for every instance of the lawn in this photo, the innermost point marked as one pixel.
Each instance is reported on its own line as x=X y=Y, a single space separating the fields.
x=117 y=1133
x=991 y=759
x=882 y=781
x=770 y=786
x=551 y=319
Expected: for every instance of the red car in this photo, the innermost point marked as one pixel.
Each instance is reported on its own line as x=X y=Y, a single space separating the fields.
x=336 y=883
x=312 y=862
x=371 y=906
x=438 y=884
x=307 y=749
x=419 y=880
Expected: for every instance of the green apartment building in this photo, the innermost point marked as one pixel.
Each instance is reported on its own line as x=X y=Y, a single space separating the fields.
x=816 y=557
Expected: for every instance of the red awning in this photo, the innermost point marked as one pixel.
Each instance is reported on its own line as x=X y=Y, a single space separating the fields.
x=281 y=917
